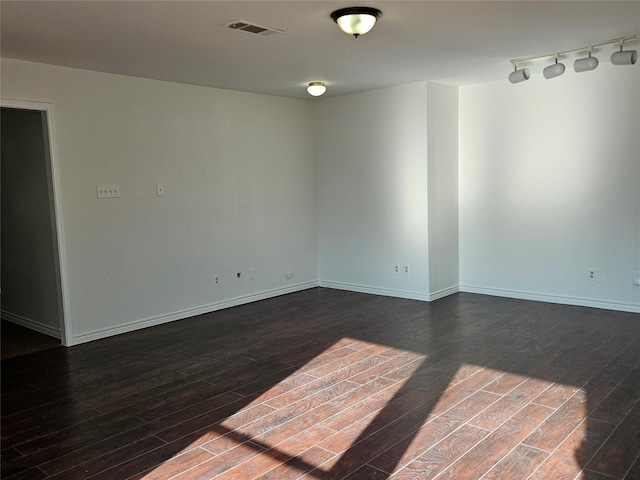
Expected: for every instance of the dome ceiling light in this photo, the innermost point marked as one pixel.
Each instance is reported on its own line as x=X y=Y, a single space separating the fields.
x=316 y=88
x=356 y=21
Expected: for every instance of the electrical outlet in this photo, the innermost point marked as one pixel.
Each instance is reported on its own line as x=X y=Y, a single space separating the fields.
x=406 y=269
x=216 y=280
x=397 y=269
x=591 y=275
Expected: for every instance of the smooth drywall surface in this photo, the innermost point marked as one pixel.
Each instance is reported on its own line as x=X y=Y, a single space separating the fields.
x=371 y=156
x=239 y=194
x=442 y=146
x=29 y=286
x=550 y=187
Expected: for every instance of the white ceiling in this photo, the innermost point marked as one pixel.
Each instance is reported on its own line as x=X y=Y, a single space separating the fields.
x=453 y=42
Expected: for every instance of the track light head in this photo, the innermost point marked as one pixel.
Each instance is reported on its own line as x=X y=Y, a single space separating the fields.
x=518 y=76
x=586 y=64
x=624 y=57
x=554 y=70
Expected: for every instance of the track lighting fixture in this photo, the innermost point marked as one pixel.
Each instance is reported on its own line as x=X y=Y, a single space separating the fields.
x=518 y=76
x=356 y=21
x=316 y=88
x=624 y=57
x=554 y=70
x=586 y=64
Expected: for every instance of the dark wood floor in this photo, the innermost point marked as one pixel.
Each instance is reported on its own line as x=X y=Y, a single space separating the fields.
x=18 y=340
x=325 y=384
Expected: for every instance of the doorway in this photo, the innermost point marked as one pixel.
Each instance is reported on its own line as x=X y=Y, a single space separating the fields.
x=31 y=282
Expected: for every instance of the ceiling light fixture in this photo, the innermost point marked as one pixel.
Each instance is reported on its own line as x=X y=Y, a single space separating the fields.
x=586 y=64
x=624 y=57
x=356 y=21
x=554 y=70
x=518 y=76
x=316 y=88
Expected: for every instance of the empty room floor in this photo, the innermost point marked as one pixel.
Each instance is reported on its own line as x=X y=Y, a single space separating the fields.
x=18 y=340
x=327 y=384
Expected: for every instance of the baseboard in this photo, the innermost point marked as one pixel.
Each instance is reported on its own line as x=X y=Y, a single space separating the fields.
x=190 y=312
x=539 y=297
x=31 y=324
x=182 y=314
x=445 y=292
x=386 y=292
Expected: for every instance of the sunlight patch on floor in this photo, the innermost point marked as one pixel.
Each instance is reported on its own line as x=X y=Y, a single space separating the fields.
x=322 y=388
x=333 y=400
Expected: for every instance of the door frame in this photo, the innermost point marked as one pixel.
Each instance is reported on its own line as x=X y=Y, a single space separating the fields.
x=57 y=218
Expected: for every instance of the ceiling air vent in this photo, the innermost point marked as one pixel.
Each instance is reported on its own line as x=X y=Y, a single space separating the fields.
x=252 y=28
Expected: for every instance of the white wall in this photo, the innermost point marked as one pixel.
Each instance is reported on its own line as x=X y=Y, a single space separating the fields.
x=340 y=189
x=550 y=187
x=239 y=177
x=442 y=146
x=371 y=156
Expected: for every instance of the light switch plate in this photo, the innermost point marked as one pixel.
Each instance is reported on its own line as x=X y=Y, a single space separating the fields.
x=108 y=191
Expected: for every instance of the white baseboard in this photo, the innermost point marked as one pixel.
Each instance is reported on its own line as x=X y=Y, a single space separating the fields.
x=190 y=312
x=386 y=292
x=182 y=314
x=30 y=323
x=445 y=292
x=539 y=297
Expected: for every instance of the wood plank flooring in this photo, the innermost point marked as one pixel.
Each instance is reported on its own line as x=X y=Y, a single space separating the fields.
x=326 y=384
x=18 y=340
